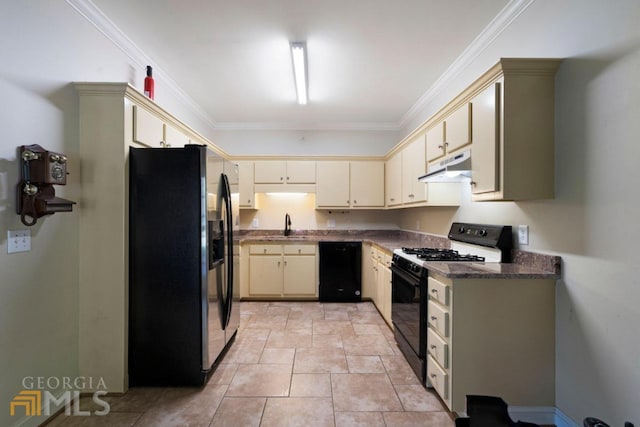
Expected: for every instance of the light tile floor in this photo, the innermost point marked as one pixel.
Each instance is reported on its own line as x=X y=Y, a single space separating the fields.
x=292 y=364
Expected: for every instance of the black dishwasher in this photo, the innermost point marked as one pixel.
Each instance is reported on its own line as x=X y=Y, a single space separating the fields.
x=340 y=271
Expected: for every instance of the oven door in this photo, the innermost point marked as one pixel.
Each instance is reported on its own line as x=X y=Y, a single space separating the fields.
x=409 y=316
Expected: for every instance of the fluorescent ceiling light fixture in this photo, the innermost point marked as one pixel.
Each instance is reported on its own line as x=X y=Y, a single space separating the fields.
x=299 y=60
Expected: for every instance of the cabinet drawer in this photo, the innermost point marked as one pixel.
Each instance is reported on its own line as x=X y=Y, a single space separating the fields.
x=265 y=249
x=438 y=378
x=438 y=291
x=438 y=318
x=438 y=348
x=300 y=249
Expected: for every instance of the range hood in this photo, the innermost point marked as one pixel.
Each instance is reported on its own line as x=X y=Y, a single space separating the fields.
x=456 y=168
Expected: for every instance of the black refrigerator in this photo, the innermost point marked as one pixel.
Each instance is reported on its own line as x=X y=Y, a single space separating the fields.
x=183 y=308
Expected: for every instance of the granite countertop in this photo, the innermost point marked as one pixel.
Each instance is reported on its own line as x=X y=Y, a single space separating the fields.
x=525 y=265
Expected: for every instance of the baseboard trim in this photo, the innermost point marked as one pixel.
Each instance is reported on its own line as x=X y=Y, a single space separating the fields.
x=544 y=415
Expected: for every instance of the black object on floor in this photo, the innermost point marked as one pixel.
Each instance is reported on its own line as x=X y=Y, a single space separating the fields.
x=488 y=411
x=340 y=271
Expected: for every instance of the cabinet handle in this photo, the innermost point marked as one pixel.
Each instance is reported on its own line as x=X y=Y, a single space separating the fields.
x=432 y=375
x=264 y=251
x=472 y=183
x=433 y=347
x=434 y=291
x=446 y=144
x=281 y=178
x=347 y=202
x=278 y=263
x=287 y=178
x=248 y=200
x=441 y=146
x=355 y=201
x=434 y=318
x=410 y=195
x=285 y=263
x=392 y=199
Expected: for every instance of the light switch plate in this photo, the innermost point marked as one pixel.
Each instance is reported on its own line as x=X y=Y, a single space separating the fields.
x=523 y=234
x=18 y=241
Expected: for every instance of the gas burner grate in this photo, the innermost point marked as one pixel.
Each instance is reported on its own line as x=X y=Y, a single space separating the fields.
x=438 y=254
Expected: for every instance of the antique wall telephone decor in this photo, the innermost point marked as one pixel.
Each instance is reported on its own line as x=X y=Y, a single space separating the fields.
x=40 y=170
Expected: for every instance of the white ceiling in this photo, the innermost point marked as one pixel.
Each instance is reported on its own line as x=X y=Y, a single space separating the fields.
x=369 y=60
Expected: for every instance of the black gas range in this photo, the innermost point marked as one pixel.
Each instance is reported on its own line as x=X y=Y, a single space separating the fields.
x=410 y=272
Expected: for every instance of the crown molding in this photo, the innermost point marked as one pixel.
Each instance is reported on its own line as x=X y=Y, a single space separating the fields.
x=500 y=23
x=347 y=126
x=98 y=19
x=507 y=15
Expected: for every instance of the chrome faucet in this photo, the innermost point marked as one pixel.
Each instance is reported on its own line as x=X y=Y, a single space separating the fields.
x=287 y=224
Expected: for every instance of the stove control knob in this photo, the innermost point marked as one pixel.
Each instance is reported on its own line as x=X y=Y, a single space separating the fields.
x=461 y=230
x=482 y=232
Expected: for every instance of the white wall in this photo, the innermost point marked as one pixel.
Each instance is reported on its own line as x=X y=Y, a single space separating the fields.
x=593 y=221
x=306 y=142
x=44 y=46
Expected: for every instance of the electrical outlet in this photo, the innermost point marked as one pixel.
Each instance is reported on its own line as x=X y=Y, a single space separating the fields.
x=523 y=234
x=18 y=241
x=417 y=225
x=331 y=223
x=255 y=223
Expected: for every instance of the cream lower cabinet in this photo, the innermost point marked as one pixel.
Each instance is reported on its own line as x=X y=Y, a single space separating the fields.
x=376 y=278
x=282 y=270
x=491 y=337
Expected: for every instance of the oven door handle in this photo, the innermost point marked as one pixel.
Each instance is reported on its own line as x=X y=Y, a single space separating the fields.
x=415 y=281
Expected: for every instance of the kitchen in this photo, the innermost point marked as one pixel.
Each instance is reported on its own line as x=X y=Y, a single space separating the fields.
x=589 y=223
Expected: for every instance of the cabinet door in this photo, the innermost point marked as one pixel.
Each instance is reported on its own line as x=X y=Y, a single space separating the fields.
x=393 y=180
x=265 y=275
x=385 y=274
x=435 y=142
x=299 y=275
x=367 y=184
x=486 y=136
x=269 y=172
x=300 y=172
x=247 y=194
x=414 y=165
x=458 y=128
x=174 y=138
x=332 y=187
x=147 y=128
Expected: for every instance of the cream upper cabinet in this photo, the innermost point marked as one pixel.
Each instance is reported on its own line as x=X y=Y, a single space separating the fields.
x=343 y=184
x=457 y=129
x=247 y=195
x=332 y=186
x=174 y=137
x=451 y=134
x=148 y=129
x=521 y=154
x=435 y=142
x=486 y=127
x=393 y=180
x=414 y=165
x=285 y=172
x=366 y=184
